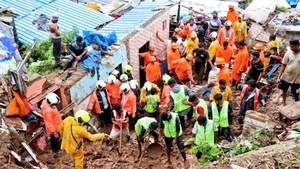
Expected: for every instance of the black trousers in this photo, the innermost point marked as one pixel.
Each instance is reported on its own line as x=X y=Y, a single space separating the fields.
x=182 y=121
x=54 y=143
x=56 y=49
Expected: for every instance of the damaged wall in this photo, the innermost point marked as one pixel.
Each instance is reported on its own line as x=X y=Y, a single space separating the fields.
x=144 y=34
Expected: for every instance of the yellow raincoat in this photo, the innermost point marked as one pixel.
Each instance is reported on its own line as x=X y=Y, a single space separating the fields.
x=69 y=126
x=240 y=30
x=144 y=93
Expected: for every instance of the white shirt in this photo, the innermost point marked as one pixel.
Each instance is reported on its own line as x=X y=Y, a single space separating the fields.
x=181 y=45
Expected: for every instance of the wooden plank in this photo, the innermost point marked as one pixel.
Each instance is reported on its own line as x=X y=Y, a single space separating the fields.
x=67 y=109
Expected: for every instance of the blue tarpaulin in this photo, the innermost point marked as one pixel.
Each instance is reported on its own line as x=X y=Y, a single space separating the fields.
x=292 y=2
x=7 y=51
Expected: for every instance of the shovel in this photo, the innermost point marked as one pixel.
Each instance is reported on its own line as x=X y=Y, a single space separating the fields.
x=120 y=142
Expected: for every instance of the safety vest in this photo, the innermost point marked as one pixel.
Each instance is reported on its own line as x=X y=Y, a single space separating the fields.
x=145 y=123
x=205 y=133
x=220 y=118
x=202 y=104
x=255 y=96
x=170 y=127
x=151 y=105
x=242 y=28
x=179 y=100
x=119 y=118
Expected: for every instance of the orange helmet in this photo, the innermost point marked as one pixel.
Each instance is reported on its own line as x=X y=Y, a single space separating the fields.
x=231 y=6
x=258 y=46
x=174 y=45
x=151 y=48
x=177 y=30
x=152 y=58
x=220 y=61
x=189 y=57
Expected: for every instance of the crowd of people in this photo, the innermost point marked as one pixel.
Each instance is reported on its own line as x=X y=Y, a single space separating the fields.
x=165 y=101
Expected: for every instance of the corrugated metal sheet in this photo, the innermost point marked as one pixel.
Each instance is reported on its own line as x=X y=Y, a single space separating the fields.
x=70 y=13
x=133 y=19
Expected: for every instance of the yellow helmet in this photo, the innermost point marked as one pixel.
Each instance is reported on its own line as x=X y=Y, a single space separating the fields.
x=82 y=116
x=128 y=68
x=166 y=78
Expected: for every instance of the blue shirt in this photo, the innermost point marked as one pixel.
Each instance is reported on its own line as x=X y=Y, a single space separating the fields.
x=214 y=25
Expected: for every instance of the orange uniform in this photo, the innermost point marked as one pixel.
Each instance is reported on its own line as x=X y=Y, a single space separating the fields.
x=240 y=64
x=177 y=35
x=153 y=72
x=262 y=56
x=146 y=56
x=129 y=102
x=52 y=117
x=183 y=69
x=222 y=36
x=165 y=97
x=94 y=103
x=224 y=74
x=114 y=92
x=186 y=30
x=232 y=16
x=172 y=55
x=226 y=54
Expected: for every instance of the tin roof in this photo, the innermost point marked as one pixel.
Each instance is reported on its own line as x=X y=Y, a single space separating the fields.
x=70 y=14
x=133 y=19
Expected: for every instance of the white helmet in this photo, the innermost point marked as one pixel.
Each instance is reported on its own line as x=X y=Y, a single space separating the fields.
x=100 y=84
x=228 y=23
x=213 y=35
x=111 y=79
x=124 y=77
x=125 y=87
x=148 y=86
x=114 y=72
x=133 y=84
x=52 y=98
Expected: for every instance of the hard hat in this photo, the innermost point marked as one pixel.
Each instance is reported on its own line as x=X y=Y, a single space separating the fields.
x=82 y=116
x=152 y=58
x=220 y=61
x=114 y=72
x=258 y=46
x=213 y=35
x=151 y=48
x=231 y=6
x=174 y=45
x=166 y=78
x=52 y=98
x=111 y=79
x=177 y=30
x=128 y=68
x=100 y=84
x=193 y=34
x=190 y=57
x=227 y=23
x=124 y=77
x=133 y=84
x=148 y=86
x=125 y=87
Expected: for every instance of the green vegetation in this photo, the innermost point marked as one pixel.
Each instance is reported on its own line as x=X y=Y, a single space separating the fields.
x=41 y=59
x=281 y=9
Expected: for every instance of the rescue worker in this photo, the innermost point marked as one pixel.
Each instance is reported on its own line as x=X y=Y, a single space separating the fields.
x=73 y=132
x=212 y=51
x=256 y=68
x=173 y=54
x=200 y=106
x=220 y=112
x=192 y=43
x=52 y=119
x=135 y=88
x=146 y=88
x=187 y=31
x=226 y=52
x=116 y=73
x=273 y=42
x=205 y=131
x=177 y=33
x=171 y=127
x=153 y=72
x=260 y=49
x=249 y=98
x=100 y=103
x=165 y=96
x=146 y=56
x=223 y=89
x=240 y=64
x=240 y=29
x=113 y=90
x=127 y=71
x=232 y=14
x=128 y=100
x=143 y=127
x=119 y=117
x=227 y=34
x=183 y=69
x=151 y=102
x=224 y=71
x=178 y=95
x=124 y=78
